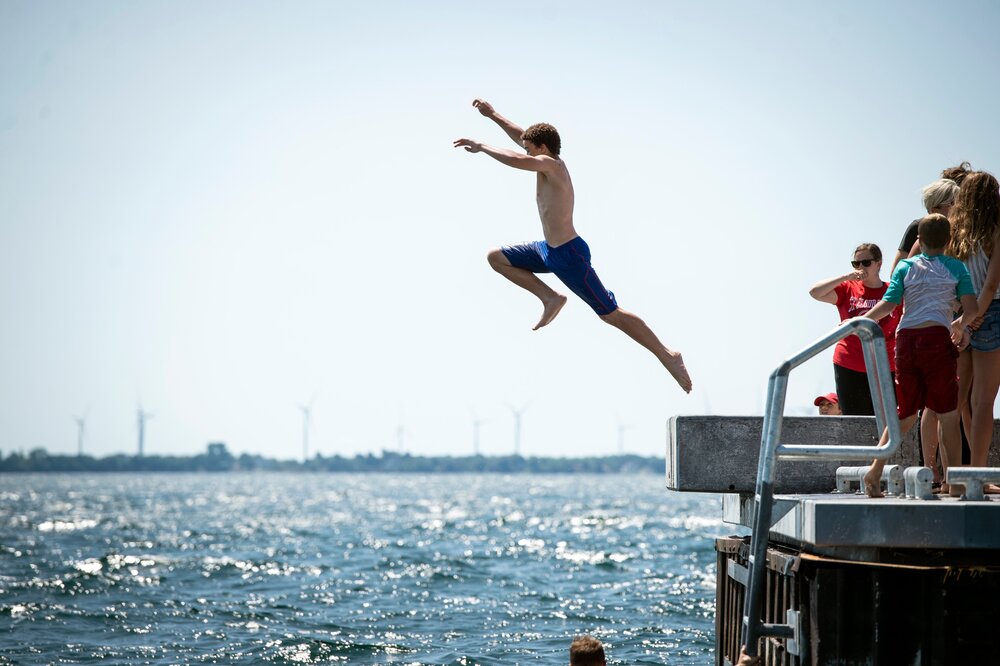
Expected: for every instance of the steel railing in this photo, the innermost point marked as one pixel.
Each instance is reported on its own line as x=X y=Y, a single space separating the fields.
x=884 y=399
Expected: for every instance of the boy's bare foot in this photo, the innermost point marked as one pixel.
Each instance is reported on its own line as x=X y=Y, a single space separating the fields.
x=675 y=366
x=552 y=308
x=873 y=483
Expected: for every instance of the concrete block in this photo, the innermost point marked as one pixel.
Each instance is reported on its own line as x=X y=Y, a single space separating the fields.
x=718 y=454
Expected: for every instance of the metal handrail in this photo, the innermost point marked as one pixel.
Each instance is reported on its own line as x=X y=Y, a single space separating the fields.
x=884 y=399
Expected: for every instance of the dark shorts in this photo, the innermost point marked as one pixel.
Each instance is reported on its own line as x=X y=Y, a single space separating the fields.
x=570 y=262
x=853 y=392
x=986 y=338
x=926 y=371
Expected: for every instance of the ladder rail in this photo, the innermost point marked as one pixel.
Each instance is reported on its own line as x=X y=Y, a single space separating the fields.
x=883 y=396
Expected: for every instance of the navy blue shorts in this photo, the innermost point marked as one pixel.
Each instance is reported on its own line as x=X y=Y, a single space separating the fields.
x=570 y=262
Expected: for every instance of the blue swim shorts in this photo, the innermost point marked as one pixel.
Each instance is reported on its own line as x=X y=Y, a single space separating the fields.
x=987 y=336
x=570 y=262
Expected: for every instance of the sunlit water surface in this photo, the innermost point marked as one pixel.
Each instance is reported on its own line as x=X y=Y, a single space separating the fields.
x=357 y=569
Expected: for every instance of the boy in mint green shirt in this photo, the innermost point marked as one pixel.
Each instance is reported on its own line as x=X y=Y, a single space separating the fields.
x=927 y=338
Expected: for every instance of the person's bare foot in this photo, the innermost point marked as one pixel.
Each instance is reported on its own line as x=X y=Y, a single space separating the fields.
x=873 y=483
x=955 y=489
x=552 y=308
x=675 y=366
x=991 y=489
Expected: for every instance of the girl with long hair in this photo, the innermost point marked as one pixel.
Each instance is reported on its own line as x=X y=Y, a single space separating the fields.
x=975 y=240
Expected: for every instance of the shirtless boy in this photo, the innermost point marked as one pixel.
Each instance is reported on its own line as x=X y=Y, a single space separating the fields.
x=562 y=252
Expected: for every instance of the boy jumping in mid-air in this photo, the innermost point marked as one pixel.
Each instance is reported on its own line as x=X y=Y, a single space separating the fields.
x=926 y=339
x=562 y=252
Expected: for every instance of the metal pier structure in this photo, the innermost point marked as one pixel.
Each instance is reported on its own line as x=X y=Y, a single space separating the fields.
x=828 y=575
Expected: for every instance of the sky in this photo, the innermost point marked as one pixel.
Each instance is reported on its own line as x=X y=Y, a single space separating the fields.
x=221 y=211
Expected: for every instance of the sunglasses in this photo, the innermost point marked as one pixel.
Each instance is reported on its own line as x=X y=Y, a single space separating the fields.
x=864 y=262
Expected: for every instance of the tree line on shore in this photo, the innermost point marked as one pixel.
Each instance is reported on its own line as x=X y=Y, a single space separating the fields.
x=218 y=459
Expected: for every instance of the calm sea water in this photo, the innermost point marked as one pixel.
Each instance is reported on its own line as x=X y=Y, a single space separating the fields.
x=360 y=569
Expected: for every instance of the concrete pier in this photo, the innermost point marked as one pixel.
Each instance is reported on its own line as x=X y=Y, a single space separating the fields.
x=894 y=580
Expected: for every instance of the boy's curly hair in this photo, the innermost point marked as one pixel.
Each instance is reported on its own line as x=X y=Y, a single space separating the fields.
x=586 y=651
x=543 y=134
x=975 y=217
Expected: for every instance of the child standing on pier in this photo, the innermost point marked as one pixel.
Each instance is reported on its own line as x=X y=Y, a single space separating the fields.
x=926 y=352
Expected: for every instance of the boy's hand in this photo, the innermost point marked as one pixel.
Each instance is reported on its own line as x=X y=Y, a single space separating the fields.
x=964 y=342
x=959 y=335
x=468 y=144
x=484 y=107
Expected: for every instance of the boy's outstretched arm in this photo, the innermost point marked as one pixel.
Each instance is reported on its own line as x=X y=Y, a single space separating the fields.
x=541 y=163
x=513 y=130
x=881 y=310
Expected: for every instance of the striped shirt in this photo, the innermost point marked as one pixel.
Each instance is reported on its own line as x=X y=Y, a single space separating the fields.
x=978 y=263
x=930 y=284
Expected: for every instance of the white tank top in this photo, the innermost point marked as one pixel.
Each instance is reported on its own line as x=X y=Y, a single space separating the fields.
x=977 y=263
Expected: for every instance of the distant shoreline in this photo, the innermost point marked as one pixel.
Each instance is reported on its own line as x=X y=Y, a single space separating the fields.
x=218 y=460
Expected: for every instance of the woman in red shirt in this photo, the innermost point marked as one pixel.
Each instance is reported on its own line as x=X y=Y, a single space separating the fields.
x=854 y=294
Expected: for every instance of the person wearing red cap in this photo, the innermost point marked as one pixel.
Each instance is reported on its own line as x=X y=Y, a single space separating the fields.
x=828 y=405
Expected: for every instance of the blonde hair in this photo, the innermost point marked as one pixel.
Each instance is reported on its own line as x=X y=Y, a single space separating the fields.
x=939 y=193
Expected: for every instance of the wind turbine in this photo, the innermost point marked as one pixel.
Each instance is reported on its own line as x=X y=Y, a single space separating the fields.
x=81 y=429
x=518 y=413
x=621 y=436
x=141 y=417
x=477 y=423
x=401 y=433
x=306 y=424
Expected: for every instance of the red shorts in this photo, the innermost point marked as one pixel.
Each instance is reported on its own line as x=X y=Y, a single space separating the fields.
x=926 y=371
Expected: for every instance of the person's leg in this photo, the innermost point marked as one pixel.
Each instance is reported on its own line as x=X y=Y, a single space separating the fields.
x=852 y=392
x=929 y=441
x=951 y=451
x=873 y=478
x=938 y=364
x=552 y=301
x=951 y=444
x=636 y=328
x=909 y=398
x=570 y=262
x=966 y=373
x=986 y=370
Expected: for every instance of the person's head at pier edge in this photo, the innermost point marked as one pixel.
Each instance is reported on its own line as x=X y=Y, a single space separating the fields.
x=542 y=139
x=828 y=404
x=940 y=196
x=586 y=651
x=976 y=215
x=957 y=173
x=934 y=232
